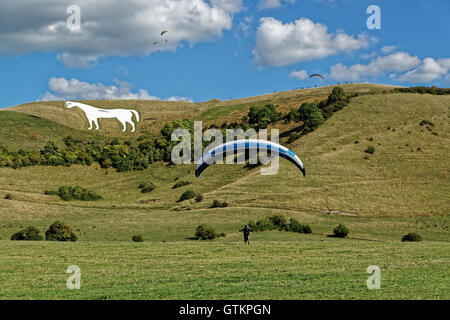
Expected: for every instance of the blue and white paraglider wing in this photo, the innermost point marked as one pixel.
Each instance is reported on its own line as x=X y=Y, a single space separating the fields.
x=218 y=152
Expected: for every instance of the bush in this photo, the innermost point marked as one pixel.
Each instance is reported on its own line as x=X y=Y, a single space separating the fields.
x=205 y=232
x=189 y=194
x=426 y=123
x=199 y=198
x=60 y=231
x=138 y=238
x=146 y=188
x=8 y=196
x=279 y=222
x=264 y=225
x=180 y=184
x=293 y=136
x=295 y=226
x=29 y=233
x=415 y=237
x=370 y=150
x=340 y=231
x=218 y=204
x=306 y=229
x=68 y=193
x=430 y=90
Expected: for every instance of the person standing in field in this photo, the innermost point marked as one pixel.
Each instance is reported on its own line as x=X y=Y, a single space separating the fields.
x=246 y=231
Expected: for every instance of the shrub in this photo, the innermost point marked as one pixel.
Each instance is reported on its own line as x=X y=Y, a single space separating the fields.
x=415 y=237
x=205 y=232
x=295 y=226
x=426 y=123
x=199 y=198
x=137 y=238
x=68 y=193
x=60 y=231
x=218 y=204
x=8 y=196
x=279 y=222
x=340 y=231
x=370 y=150
x=180 y=184
x=264 y=225
x=189 y=194
x=29 y=233
x=306 y=229
x=293 y=136
x=146 y=188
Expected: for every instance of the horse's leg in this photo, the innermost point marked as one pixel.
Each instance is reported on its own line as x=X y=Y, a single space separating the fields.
x=96 y=124
x=90 y=123
x=124 y=124
x=132 y=126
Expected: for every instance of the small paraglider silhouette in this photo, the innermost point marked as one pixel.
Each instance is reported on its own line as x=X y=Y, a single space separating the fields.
x=161 y=42
x=316 y=75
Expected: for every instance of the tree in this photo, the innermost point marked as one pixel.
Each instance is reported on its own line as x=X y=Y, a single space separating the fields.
x=311 y=116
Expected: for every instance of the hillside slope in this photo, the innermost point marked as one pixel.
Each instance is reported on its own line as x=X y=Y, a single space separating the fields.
x=407 y=175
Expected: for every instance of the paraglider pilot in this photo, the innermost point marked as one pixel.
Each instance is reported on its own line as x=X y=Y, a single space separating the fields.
x=246 y=231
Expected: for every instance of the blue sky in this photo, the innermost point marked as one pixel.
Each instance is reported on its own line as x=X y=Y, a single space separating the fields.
x=215 y=49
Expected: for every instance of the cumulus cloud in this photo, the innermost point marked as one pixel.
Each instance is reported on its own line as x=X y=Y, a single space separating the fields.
x=388 y=49
x=396 y=62
x=175 y=98
x=270 y=4
x=299 y=75
x=428 y=71
x=279 y=44
x=109 y=27
x=244 y=28
x=73 y=89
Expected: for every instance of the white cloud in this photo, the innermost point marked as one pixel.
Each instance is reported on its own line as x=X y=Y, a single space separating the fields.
x=244 y=28
x=270 y=4
x=369 y=55
x=77 y=61
x=175 y=98
x=279 y=44
x=396 y=62
x=62 y=89
x=110 y=27
x=299 y=75
x=445 y=63
x=388 y=49
x=428 y=71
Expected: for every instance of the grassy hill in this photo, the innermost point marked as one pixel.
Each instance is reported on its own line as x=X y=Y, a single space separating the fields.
x=402 y=187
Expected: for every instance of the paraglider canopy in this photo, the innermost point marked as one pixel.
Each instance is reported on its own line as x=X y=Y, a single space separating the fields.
x=210 y=156
x=316 y=75
x=164 y=32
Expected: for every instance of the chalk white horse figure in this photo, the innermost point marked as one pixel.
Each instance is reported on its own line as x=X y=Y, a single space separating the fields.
x=93 y=114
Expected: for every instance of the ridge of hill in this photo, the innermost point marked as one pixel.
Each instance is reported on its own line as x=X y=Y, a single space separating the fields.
x=155 y=114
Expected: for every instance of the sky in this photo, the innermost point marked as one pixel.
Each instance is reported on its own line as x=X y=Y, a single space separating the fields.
x=105 y=49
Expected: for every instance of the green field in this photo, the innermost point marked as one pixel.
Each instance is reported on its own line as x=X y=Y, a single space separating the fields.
x=403 y=187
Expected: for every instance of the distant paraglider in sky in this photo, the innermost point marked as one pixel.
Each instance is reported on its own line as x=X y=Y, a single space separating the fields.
x=316 y=75
x=218 y=152
x=161 y=42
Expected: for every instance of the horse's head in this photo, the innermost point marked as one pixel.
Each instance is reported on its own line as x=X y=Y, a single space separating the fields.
x=70 y=104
